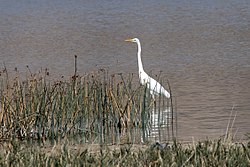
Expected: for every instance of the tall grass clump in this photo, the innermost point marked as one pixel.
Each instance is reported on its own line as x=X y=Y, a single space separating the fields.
x=95 y=108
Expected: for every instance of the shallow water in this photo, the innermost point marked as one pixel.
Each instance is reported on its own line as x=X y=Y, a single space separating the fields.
x=201 y=47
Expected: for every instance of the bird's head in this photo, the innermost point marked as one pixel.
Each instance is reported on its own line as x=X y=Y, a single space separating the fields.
x=132 y=40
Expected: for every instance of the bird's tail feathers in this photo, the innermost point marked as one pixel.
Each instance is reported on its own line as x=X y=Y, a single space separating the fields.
x=166 y=94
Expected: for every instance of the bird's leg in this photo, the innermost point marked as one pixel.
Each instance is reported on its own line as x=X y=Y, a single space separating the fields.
x=153 y=97
x=152 y=94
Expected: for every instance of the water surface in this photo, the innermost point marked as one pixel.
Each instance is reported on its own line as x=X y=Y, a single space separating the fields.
x=201 y=47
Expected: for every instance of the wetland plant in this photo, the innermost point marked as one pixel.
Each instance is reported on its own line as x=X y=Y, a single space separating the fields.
x=95 y=108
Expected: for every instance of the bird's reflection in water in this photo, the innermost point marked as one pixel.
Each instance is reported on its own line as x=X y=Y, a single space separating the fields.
x=159 y=128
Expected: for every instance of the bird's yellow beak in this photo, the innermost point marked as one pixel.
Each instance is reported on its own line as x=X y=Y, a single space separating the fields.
x=128 y=40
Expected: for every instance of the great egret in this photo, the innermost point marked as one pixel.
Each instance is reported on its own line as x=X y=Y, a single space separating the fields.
x=154 y=86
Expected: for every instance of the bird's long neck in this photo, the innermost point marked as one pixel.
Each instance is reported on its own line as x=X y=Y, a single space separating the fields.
x=139 y=58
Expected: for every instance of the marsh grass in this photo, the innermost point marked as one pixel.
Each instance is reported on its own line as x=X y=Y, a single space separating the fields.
x=95 y=108
x=206 y=153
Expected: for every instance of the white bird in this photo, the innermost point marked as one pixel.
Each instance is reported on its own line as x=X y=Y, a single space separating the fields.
x=154 y=86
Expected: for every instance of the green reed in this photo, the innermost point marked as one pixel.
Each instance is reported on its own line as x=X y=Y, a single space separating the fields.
x=97 y=107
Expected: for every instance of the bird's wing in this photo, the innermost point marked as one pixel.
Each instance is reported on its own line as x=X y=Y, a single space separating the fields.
x=153 y=85
x=156 y=87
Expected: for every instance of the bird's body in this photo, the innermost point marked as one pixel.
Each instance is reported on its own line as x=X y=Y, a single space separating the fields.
x=154 y=86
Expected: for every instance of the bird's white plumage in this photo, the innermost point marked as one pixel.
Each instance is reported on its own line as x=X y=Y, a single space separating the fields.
x=154 y=86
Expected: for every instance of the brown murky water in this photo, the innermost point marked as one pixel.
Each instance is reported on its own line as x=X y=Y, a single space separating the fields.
x=202 y=47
